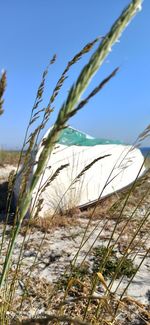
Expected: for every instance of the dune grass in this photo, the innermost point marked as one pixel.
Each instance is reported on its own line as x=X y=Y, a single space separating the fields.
x=87 y=308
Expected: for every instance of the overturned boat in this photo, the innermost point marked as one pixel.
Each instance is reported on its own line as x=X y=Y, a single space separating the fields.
x=81 y=170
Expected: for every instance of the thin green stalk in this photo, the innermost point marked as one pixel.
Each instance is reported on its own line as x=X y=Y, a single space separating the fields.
x=127 y=286
x=122 y=259
x=57 y=88
x=127 y=249
x=84 y=240
x=140 y=244
x=142 y=260
x=68 y=109
x=110 y=247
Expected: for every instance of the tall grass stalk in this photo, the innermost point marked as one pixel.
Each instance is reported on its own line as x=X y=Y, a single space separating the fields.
x=122 y=230
x=125 y=255
x=122 y=296
x=67 y=110
x=70 y=107
x=35 y=134
x=129 y=219
x=141 y=243
x=111 y=245
x=108 y=181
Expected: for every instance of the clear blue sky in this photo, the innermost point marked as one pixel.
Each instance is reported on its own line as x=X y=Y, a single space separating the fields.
x=33 y=30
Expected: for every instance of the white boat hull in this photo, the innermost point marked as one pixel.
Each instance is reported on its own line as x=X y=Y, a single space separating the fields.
x=85 y=174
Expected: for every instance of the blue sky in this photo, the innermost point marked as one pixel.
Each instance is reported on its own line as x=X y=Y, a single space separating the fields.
x=33 y=30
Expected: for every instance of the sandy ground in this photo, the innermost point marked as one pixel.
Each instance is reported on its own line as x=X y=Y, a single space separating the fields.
x=59 y=246
x=5 y=171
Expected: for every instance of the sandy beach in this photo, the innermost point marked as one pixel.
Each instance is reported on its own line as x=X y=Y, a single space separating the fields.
x=54 y=247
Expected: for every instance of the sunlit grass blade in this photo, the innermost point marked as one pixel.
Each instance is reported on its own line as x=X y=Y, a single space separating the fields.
x=2 y=90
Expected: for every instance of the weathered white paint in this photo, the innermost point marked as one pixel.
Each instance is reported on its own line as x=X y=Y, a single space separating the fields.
x=106 y=176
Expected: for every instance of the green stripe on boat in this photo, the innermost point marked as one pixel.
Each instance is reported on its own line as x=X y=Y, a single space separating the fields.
x=70 y=136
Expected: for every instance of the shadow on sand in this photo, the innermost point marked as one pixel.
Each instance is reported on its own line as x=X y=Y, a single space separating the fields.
x=4 y=204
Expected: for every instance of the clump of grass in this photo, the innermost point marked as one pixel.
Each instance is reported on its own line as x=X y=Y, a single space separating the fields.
x=127 y=267
x=48 y=223
x=79 y=274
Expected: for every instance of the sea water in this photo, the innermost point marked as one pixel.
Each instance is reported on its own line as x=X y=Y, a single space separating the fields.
x=145 y=151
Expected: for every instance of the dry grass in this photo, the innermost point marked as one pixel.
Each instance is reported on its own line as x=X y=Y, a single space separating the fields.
x=9 y=157
x=41 y=293
x=49 y=223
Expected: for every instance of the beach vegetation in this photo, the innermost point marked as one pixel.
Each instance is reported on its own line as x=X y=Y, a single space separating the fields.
x=84 y=291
